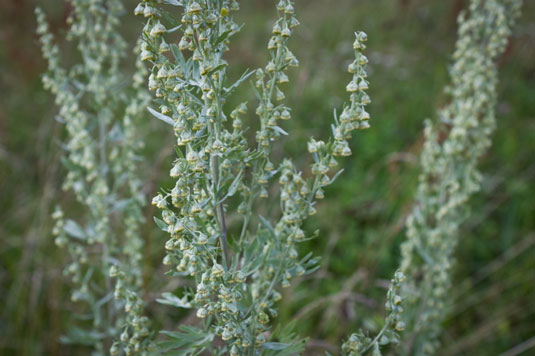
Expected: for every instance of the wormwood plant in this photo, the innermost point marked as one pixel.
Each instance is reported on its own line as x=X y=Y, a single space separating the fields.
x=235 y=214
x=99 y=109
x=449 y=175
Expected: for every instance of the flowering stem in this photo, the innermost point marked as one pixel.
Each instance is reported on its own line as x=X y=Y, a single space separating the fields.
x=223 y=236
x=215 y=170
x=105 y=248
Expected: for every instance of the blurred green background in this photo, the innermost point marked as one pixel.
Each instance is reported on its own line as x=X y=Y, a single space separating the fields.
x=492 y=305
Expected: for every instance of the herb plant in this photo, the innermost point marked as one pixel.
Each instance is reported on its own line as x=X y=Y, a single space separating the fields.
x=449 y=176
x=220 y=177
x=100 y=115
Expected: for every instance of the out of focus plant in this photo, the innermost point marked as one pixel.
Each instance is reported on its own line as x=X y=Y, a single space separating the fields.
x=238 y=258
x=453 y=146
x=99 y=109
x=360 y=343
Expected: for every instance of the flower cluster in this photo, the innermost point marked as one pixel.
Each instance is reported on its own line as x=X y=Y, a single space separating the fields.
x=100 y=155
x=237 y=270
x=359 y=344
x=298 y=193
x=136 y=336
x=269 y=80
x=449 y=160
x=211 y=159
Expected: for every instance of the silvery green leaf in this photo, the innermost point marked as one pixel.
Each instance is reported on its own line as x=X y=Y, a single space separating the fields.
x=178 y=56
x=284 y=349
x=173 y=29
x=336 y=176
x=161 y=224
x=222 y=37
x=275 y=346
x=179 y=152
x=161 y=116
x=233 y=188
x=169 y=17
x=216 y=68
x=333 y=129
x=279 y=130
x=80 y=336
x=267 y=224
x=244 y=76
x=195 y=71
x=255 y=91
x=171 y=299
x=104 y=300
x=185 y=341
x=173 y=2
x=73 y=229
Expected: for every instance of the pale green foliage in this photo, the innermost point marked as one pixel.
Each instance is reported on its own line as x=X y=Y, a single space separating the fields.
x=235 y=213
x=99 y=114
x=237 y=276
x=449 y=175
